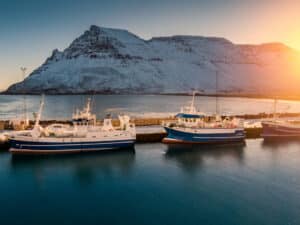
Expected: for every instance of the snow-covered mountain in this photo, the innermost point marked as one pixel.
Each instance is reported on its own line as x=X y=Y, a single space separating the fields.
x=105 y=60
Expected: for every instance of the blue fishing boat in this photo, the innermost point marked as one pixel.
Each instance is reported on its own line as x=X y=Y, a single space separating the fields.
x=193 y=127
x=204 y=133
x=84 y=135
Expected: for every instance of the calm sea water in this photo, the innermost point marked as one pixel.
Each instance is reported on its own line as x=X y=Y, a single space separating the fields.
x=154 y=184
x=62 y=107
x=254 y=184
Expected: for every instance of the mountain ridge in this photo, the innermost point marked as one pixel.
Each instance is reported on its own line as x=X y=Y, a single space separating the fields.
x=106 y=60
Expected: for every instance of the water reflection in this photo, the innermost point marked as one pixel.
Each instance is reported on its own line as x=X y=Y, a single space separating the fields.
x=84 y=167
x=279 y=144
x=4 y=149
x=191 y=157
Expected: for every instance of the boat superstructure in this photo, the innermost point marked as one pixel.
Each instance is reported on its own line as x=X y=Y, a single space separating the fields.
x=82 y=135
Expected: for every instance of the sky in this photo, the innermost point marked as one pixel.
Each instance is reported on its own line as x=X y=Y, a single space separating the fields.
x=31 y=29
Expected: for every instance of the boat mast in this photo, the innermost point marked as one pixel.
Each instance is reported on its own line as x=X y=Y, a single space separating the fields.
x=88 y=106
x=88 y=111
x=193 y=103
x=23 y=69
x=275 y=109
x=217 y=98
x=39 y=114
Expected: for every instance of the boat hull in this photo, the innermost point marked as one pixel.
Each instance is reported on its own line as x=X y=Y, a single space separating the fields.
x=19 y=146
x=271 y=130
x=204 y=136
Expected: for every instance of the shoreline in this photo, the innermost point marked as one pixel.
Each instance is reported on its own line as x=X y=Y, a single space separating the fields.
x=223 y=95
x=155 y=121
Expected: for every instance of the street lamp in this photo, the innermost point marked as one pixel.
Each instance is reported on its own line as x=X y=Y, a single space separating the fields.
x=23 y=69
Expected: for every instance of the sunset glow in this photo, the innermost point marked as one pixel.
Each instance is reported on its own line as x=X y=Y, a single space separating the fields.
x=30 y=32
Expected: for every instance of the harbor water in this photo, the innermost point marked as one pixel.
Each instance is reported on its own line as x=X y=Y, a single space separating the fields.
x=255 y=183
x=155 y=184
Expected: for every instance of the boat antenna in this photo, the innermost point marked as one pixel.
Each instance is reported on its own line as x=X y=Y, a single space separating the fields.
x=23 y=69
x=275 y=109
x=217 y=97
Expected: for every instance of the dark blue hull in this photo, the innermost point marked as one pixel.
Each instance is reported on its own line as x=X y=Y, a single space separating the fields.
x=177 y=136
x=18 y=146
x=273 y=130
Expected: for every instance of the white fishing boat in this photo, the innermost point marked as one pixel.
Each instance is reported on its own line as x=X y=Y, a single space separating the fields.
x=83 y=135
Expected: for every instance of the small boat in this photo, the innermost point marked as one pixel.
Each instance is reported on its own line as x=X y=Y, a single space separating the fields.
x=193 y=127
x=275 y=128
x=280 y=129
x=83 y=135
